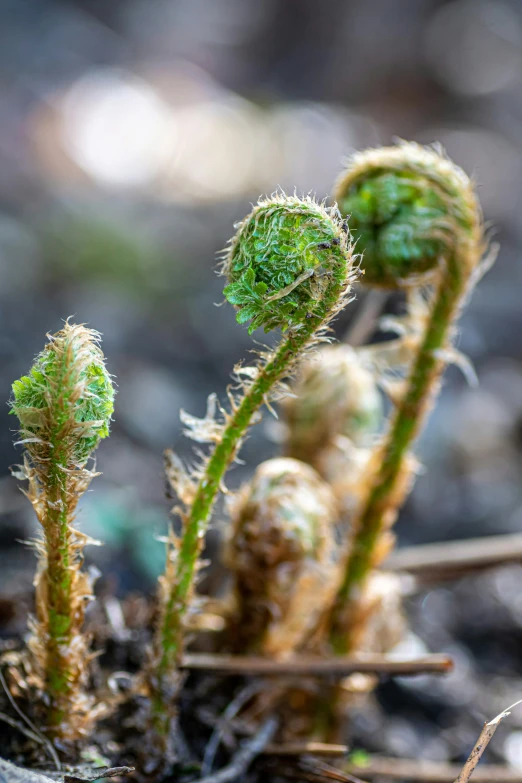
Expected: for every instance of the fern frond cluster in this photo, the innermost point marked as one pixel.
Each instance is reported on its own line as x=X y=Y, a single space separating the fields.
x=310 y=530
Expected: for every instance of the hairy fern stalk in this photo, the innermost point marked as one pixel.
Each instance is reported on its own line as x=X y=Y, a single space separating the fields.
x=418 y=223
x=64 y=406
x=289 y=266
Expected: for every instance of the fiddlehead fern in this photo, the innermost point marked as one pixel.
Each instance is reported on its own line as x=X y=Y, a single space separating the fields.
x=284 y=556
x=64 y=406
x=335 y=406
x=417 y=222
x=290 y=266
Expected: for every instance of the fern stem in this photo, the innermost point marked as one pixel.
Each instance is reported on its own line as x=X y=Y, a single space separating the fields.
x=64 y=406
x=311 y=243
x=171 y=640
x=59 y=671
x=456 y=258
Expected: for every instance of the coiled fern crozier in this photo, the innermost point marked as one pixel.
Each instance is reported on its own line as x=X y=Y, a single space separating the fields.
x=418 y=224
x=283 y=553
x=289 y=266
x=64 y=406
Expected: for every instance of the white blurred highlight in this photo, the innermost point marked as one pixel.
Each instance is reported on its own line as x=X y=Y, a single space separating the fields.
x=217 y=143
x=475 y=46
x=117 y=129
x=184 y=138
x=513 y=749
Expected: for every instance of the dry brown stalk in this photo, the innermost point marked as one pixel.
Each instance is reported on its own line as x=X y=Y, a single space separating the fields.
x=432 y=772
x=392 y=769
x=366 y=318
x=481 y=744
x=306 y=748
x=335 y=666
x=431 y=562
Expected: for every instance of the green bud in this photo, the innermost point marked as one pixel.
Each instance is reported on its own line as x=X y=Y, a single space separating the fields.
x=334 y=395
x=284 y=556
x=405 y=210
x=68 y=396
x=280 y=261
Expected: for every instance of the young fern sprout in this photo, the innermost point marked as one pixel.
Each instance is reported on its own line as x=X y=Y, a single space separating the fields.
x=64 y=406
x=284 y=556
x=334 y=395
x=334 y=414
x=417 y=221
x=289 y=266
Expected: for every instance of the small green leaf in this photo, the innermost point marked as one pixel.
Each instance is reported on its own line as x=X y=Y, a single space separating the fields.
x=246 y=313
x=234 y=293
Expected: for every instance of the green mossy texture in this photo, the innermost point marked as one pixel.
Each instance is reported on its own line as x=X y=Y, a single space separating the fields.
x=48 y=379
x=278 y=243
x=398 y=221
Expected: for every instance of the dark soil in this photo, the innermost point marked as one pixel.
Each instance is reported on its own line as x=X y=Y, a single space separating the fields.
x=476 y=619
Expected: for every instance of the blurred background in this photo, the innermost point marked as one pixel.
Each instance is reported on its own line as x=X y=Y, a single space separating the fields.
x=133 y=133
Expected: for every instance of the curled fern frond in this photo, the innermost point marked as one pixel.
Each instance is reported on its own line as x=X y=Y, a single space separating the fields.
x=418 y=224
x=334 y=396
x=64 y=406
x=279 y=261
x=290 y=265
x=283 y=554
x=67 y=399
x=409 y=209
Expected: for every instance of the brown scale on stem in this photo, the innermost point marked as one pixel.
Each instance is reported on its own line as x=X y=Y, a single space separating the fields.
x=284 y=557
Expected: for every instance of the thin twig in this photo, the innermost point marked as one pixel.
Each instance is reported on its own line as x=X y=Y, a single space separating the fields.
x=17 y=724
x=335 y=666
x=481 y=744
x=34 y=730
x=431 y=772
x=366 y=319
x=306 y=749
x=245 y=755
x=449 y=559
x=84 y=774
x=394 y=769
x=237 y=704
